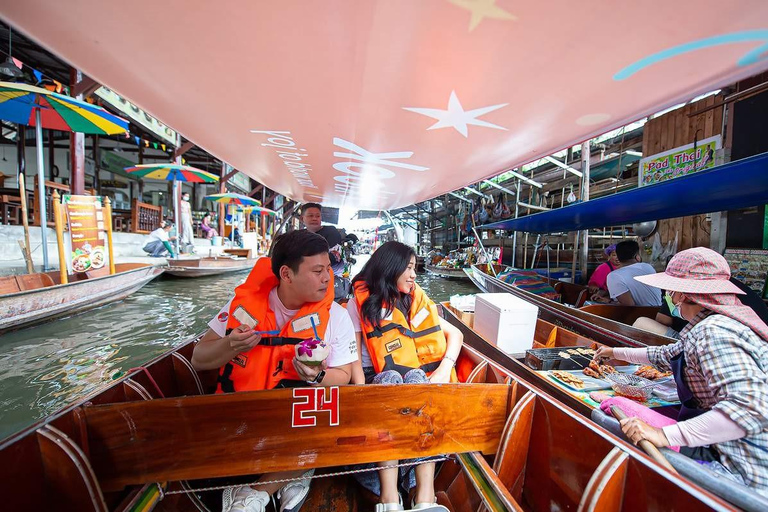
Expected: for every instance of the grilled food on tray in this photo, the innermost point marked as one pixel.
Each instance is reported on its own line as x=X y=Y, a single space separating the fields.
x=568 y=378
x=651 y=373
x=598 y=371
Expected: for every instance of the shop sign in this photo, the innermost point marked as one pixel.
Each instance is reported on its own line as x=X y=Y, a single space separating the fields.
x=241 y=181
x=678 y=162
x=86 y=227
x=137 y=115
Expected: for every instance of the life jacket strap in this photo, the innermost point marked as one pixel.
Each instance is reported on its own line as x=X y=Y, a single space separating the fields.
x=276 y=341
x=225 y=380
x=377 y=333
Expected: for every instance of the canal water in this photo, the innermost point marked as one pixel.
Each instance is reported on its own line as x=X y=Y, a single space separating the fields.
x=45 y=367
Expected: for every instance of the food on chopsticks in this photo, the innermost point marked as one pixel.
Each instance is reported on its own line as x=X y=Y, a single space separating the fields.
x=651 y=373
x=568 y=378
x=589 y=372
x=586 y=351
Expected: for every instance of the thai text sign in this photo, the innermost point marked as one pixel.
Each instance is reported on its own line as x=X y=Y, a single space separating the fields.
x=678 y=162
x=86 y=227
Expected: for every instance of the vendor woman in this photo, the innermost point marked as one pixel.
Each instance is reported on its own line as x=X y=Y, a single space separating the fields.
x=720 y=366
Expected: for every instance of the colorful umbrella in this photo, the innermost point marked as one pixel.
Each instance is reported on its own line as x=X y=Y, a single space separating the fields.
x=19 y=103
x=175 y=173
x=235 y=200
x=232 y=198
x=35 y=106
x=171 y=172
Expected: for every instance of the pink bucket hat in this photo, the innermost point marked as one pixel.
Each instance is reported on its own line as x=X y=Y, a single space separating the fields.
x=697 y=270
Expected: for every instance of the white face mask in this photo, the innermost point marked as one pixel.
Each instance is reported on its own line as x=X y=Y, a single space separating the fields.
x=185 y=199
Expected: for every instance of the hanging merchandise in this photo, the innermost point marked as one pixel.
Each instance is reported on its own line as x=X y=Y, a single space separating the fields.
x=571 y=198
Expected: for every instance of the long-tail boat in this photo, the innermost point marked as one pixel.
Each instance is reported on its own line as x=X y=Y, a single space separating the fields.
x=210 y=266
x=582 y=321
x=28 y=299
x=157 y=439
x=446 y=272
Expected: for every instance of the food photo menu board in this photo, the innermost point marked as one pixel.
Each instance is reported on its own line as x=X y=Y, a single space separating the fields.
x=750 y=266
x=86 y=227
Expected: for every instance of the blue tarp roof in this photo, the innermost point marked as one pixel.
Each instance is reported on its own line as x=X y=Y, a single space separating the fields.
x=730 y=186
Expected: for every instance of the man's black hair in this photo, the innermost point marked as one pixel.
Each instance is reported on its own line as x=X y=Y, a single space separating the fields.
x=307 y=206
x=627 y=250
x=291 y=248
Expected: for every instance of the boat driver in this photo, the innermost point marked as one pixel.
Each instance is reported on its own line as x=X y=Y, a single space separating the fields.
x=312 y=218
x=281 y=299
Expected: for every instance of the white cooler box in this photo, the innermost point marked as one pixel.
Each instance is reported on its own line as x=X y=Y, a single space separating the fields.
x=506 y=321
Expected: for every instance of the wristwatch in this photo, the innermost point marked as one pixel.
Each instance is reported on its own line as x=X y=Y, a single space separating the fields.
x=318 y=378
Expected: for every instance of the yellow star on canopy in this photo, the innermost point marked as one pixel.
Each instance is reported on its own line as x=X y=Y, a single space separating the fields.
x=482 y=9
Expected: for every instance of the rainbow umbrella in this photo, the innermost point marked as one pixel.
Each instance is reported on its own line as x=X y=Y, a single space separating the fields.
x=35 y=106
x=175 y=173
x=231 y=198
x=172 y=172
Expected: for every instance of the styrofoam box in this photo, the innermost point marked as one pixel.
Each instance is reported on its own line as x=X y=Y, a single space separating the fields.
x=505 y=320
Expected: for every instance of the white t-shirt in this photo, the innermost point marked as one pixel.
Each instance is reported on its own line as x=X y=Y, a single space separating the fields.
x=623 y=280
x=339 y=335
x=354 y=316
x=158 y=234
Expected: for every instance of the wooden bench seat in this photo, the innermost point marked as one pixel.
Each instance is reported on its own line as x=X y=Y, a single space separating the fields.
x=23 y=283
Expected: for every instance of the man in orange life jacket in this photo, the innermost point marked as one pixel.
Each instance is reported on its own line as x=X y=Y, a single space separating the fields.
x=279 y=296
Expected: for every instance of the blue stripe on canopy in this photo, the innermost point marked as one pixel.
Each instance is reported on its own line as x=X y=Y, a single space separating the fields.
x=730 y=186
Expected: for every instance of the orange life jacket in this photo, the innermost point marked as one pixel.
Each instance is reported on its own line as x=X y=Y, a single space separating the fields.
x=270 y=363
x=404 y=343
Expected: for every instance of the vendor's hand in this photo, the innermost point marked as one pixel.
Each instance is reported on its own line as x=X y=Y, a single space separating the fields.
x=242 y=339
x=441 y=376
x=307 y=372
x=637 y=430
x=600 y=298
x=603 y=352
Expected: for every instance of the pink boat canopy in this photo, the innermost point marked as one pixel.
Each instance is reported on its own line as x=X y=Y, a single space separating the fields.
x=384 y=103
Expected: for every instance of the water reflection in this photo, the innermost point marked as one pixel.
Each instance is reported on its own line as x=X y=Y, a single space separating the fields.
x=46 y=367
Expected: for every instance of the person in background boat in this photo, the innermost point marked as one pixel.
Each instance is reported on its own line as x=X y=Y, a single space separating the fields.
x=671 y=326
x=622 y=287
x=400 y=339
x=187 y=239
x=205 y=225
x=720 y=366
x=312 y=218
x=598 y=287
x=252 y=342
x=158 y=242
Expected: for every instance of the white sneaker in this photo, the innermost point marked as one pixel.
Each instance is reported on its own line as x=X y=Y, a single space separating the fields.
x=387 y=507
x=293 y=494
x=244 y=499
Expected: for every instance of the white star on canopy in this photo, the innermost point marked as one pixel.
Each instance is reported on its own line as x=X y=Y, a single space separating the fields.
x=483 y=9
x=456 y=117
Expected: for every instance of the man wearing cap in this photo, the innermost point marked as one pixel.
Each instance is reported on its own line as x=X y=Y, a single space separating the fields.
x=598 y=288
x=720 y=366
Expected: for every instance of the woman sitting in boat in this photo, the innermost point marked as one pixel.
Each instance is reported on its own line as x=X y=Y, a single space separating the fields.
x=205 y=225
x=598 y=287
x=286 y=299
x=720 y=366
x=401 y=339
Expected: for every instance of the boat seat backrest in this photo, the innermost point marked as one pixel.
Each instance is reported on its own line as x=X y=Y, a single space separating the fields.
x=605 y=490
x=23 y=283
x=510 y=460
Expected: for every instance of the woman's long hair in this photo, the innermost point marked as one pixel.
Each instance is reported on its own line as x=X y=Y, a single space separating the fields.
x=380 y=275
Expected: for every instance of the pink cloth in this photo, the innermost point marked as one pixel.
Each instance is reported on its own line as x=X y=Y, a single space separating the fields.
x=600 y=276
x=634 y=409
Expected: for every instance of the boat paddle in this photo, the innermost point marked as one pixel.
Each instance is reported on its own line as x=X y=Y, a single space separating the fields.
x=646 y=445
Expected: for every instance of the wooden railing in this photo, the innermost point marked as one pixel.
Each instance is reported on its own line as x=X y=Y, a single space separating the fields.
x=50 y=186
x=145 y=218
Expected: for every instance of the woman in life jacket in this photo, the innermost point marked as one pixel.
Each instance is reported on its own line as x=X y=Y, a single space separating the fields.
x=401 y=339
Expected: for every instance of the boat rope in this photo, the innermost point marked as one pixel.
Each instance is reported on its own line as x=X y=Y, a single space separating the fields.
x=300 y=478
x=149 y=376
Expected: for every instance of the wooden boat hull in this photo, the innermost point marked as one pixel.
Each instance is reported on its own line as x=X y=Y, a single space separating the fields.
x=447 y=273
x=26 y=308
x=603 y=330
x=205 y=267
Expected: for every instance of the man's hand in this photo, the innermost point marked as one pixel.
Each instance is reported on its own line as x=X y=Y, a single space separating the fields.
x=637 y=430
x=308 y=373
x=242 y=339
